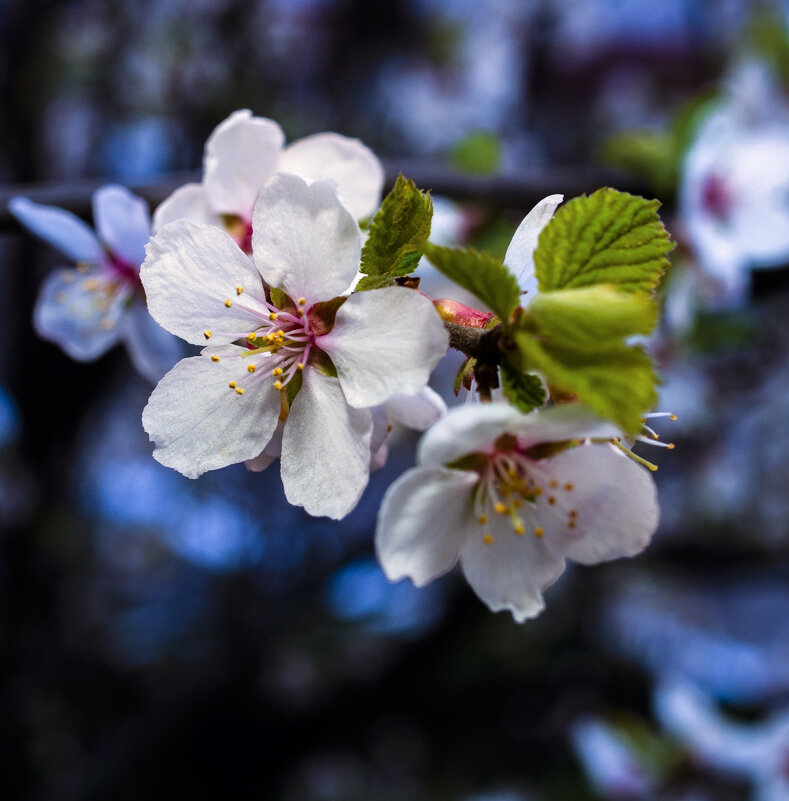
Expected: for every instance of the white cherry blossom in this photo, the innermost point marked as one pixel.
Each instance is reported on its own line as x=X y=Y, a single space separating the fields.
x=493 y=490
x=520 y=253
x=244 y=151
x=88 y=309
x=344 y=354
x=734 y=189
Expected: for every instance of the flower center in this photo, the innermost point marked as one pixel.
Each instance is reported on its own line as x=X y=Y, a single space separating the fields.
x=511 y=484
x=278 y=347
x=716 y=199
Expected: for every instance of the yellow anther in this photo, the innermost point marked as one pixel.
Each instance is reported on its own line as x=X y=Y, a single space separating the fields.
x=488 y=539
x=90 y=284
x=302 y=301
x=232 y=385
x=272 y=316
x=276 y=371
x=251 y=368
x=252 y=336
x=482 y=519
x=538 y=490
x=671 y=446
x=239 y=290
x=553 y=483
x=239 y=390
x=539 y=531
x=278 y=385
x=519 y=528
x=215 y=358
x=517 y=503
x=673 y=418
x=551 y=500
x=512 y=472
x=569 y=486
x=228 y=303
x=499 y=508
x=300 y=366
x=207 y=334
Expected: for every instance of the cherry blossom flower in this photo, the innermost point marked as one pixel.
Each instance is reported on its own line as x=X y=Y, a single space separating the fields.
x=520 y=253
x=756 y=752
x=308 y=356
x=89 y=309
x=734 y=187
x=512 y=496
x=245 y=151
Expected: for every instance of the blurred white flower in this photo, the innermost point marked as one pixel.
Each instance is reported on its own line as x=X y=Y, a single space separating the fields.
x=734 y=191
x=610 y=765
x=89 y=309
x=757 y=752
x=492 y=491
x=357 y=352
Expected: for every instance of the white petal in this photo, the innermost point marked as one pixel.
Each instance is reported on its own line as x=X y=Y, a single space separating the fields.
x=188 y=274
x=615 y=500
x=198 y=423
x=188 y=202
x=269 y=454
x=512 y=571
x=475 y=427
x=80 y=312
x=379 y=457
x=325 y=449
x=422 y=523
x=61 y=229
x=240 y=156
x=304 y=240
x=153 y=351
x=520 y=254
x=471 y=428
x=384 y=342
x=419 y=411
x=122 y=222
x=350 y=164
x=379 y=432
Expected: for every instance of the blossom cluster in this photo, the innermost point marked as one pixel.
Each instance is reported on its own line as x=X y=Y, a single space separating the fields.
x=314 y=338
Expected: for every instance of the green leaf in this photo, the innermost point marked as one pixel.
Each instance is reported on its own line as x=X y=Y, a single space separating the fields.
x=479 y=273
x=523 y=390
x=478 y=153
x=397 y=233
x=608 y=237
x=594 y=316
x=617 y=381
x=465 y=375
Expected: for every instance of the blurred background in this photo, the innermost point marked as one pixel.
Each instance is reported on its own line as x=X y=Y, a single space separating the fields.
x=167 y=638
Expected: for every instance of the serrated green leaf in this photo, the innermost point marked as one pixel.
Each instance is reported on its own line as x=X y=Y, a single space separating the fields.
x=397 y=232
x=594 y=316
x=524 y=390
x=608 y=237
x=618 y=381
x=484 y=276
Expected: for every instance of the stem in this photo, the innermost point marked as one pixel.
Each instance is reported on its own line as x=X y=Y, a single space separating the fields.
x=480 y=344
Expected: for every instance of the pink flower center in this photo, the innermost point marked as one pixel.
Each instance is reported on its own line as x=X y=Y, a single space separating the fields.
x=716 y=198
x=512 y=484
